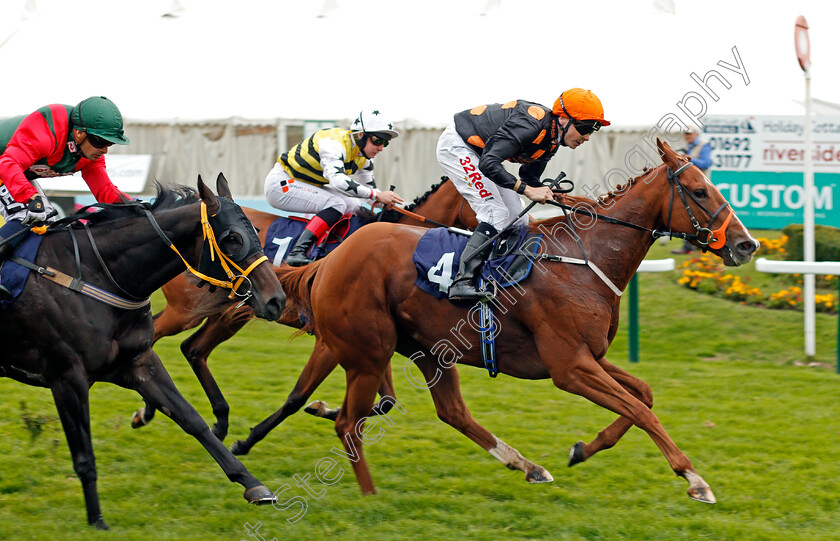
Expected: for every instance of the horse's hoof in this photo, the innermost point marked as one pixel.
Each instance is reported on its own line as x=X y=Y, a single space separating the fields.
x=219 y=432
x=100 y=524
x=238 y=448
x=702 y=494
x=576 y=455
x=259 y=495
x=698 y=489
x=317 y=408
x=137 y=419
x=539 y=475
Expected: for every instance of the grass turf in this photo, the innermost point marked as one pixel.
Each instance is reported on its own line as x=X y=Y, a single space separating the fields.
x=762 y=431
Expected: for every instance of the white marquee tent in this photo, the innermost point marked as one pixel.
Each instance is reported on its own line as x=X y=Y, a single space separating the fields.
x=213 y=85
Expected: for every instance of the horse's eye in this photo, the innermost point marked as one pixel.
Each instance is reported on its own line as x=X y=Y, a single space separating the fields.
x=700 y=192
x=232 y=243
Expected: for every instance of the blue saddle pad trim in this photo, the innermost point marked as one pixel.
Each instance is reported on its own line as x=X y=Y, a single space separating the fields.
x=14 y=276
x=438 y=255
x=284 y=232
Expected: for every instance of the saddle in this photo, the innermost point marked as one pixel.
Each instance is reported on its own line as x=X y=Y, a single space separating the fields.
x=14 y=276
x=284 y=232
x=438 y=255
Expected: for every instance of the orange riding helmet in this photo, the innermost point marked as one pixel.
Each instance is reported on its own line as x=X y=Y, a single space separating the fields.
x=579 y=104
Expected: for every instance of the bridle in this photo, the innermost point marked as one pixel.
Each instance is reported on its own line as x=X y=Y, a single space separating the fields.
x=227 y=263
x=705 y=236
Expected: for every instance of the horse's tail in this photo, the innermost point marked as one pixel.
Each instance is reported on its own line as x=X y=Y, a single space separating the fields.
x=297 y=284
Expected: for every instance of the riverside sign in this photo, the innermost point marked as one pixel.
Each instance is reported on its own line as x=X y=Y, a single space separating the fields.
x=758 y=162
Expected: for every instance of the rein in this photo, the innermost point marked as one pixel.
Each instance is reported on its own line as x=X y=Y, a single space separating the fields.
x=78 y=285
x=704 y=235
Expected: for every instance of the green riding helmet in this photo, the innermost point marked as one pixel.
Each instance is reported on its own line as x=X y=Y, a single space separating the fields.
x=99 y=116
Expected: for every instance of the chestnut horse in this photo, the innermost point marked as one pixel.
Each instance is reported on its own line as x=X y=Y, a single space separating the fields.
x=558 y=323
x=187 y=305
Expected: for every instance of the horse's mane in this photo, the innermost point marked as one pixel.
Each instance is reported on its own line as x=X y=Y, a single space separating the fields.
x=167 y=197
x=393 y=215
x=580 y=201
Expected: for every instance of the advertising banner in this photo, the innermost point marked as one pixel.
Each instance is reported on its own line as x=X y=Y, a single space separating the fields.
x=128 y=172
x=758 y=161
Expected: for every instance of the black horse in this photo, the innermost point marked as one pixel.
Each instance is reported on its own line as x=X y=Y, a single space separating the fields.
x=58 y=338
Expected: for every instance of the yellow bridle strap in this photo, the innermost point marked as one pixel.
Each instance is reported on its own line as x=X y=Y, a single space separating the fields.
x=223 y=259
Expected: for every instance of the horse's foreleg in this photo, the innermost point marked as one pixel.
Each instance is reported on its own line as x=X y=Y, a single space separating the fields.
x=581 y=374
x=197 y=348
x=387 y=395
x=615 y=431
x=177 y=316
x=320 y=364
x=71 y=399
x=361 y=390
x=148 y=377
x=444 y=385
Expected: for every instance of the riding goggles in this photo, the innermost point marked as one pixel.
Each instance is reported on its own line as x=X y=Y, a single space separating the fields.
x=584 y=127
x=378 y=140
x=98 y=142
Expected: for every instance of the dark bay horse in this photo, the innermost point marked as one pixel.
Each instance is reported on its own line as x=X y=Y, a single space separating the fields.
x=187 y=306
x=362 y=305
x=65 y=341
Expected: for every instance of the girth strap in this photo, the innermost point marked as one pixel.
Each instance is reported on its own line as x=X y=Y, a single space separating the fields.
x=80 y=286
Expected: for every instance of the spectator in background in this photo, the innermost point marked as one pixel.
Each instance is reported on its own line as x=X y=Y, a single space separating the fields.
x=700 y=153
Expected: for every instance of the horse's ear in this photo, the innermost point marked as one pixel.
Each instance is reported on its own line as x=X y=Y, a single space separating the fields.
x=222 y=187
x=667 y=153
x=207 y=196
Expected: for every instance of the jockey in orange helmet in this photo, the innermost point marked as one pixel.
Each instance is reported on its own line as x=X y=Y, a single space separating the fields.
x=473 y=149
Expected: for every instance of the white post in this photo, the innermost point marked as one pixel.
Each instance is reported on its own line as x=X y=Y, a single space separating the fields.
x=808 y=233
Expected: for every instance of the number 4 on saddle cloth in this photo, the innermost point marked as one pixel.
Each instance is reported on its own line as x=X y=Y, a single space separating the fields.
x=439 y=251
x=284 y=232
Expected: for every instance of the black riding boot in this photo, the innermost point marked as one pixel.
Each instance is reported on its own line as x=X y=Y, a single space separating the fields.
x=464 y=287
x=297 y=256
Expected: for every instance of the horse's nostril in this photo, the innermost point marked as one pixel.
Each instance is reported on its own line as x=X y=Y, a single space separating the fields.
x=748 y=247
x=275 y=307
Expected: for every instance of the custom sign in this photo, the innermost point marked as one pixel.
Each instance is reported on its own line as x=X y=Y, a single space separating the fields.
x=758 y=162
x=128 y=172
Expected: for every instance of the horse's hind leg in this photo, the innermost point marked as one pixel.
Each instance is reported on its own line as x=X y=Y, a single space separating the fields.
x=444 y=385
x=387 y=395
x=148 y=377
x=197 y=348
x=71 y=399
x=610 y=435
x=320 y=364
x=361 y=390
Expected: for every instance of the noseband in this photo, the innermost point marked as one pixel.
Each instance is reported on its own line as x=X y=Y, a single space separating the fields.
x=705 y=236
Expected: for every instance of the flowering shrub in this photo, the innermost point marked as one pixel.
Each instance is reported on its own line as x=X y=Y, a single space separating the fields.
x=772 y=246
x=706 y=274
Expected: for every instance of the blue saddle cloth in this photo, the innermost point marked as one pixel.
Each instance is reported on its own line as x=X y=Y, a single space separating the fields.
x=438 y=255
x=14 y=276
x=284 y=232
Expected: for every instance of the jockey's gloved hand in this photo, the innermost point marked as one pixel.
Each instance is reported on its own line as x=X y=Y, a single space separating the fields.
x=36 y=212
